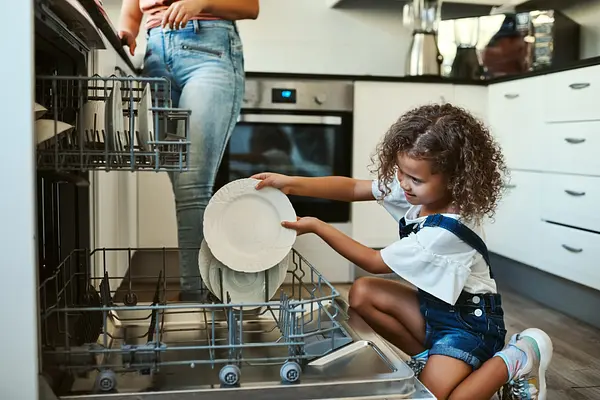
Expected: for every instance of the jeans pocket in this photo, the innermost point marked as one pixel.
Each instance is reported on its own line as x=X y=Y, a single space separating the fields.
x=198 y=48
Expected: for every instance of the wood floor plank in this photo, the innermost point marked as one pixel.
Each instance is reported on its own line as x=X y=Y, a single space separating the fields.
x=574 y=373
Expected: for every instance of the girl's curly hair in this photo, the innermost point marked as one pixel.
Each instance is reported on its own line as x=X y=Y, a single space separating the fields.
x=457 y=145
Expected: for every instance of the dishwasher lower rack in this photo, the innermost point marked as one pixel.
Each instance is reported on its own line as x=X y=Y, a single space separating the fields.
x=110 y=123
x=85 y=330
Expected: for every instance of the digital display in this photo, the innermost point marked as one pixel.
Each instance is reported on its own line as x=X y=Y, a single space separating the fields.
x=283 y=96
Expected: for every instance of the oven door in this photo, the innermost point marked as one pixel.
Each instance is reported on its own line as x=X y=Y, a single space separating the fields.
x=300 y=144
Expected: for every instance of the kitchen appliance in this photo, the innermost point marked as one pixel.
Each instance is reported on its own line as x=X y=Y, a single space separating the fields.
x=294 y=127
x=466 y=63
x=91 y=320
x=423 y=16
x=513 y=43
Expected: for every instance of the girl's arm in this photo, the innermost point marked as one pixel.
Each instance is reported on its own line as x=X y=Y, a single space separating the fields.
x=330 y=187
x=366 y=258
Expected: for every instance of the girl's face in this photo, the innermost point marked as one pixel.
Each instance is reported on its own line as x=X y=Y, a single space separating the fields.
x=421 y=186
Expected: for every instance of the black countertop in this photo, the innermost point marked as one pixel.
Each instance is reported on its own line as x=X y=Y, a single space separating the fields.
x=588 y=62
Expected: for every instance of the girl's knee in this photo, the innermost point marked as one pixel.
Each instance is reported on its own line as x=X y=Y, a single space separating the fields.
x=360 y=292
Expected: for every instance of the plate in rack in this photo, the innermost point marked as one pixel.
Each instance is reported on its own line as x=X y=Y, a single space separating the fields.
x=242 y=226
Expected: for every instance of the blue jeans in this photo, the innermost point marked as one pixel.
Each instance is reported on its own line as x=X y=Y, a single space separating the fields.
x=204 y=62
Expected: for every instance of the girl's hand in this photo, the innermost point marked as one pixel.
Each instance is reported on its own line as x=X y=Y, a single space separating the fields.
x=278 y=181
x=127 y=39
x=180 y=12
x=302 y=225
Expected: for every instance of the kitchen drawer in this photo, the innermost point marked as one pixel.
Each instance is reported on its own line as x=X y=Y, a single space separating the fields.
x=515 y=118
x=513 y=232
x=571 y=200
x=572 y=254
x=572 y=95
x=572 y=148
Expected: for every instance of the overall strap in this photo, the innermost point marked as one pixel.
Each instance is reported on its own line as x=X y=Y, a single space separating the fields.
x=462 y=232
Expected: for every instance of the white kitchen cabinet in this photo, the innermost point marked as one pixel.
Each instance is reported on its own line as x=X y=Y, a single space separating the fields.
x=571 y=254
x=377 y=105
x=572 y=148
x=514 y=230
x=571 y=200
x=473 y=99
x=572 y=95
x=156 y=208
x=113 y=195
x=515 y=119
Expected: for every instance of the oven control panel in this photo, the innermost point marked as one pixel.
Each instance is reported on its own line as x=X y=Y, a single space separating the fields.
x=301 y=94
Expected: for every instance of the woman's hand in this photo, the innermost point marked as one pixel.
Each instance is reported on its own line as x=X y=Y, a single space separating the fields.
x=180 y=12
x=303 y=225
x=127 y=39
x=278 y=181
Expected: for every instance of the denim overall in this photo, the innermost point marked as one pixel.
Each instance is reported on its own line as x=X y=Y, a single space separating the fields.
x=473 y=329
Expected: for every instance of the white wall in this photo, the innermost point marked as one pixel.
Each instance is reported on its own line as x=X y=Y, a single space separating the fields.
x=305 y=36
x=588 y=16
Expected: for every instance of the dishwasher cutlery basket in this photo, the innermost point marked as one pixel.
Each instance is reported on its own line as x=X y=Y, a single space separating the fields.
x=89 y=324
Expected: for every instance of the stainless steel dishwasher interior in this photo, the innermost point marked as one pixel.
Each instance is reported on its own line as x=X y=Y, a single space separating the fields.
x=364 y=368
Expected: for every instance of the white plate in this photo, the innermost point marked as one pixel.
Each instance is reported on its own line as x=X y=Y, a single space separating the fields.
x=242 y=287
x=145 y=118
x=242 y=226
x=92 y=121
x=45 y=131
x=205 y=260
x=116 y=138
x=39 y=110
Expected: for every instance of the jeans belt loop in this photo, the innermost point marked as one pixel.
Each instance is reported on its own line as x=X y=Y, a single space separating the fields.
x=196 y=24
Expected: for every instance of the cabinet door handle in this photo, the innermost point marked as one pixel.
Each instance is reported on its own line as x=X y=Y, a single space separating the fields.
x=571 y=249
x=511 y=95
x=510 y=186
x=577 y=86
x=574 y=140
x=574 y=193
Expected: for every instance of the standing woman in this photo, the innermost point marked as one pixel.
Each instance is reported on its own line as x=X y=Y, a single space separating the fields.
x=196 y=45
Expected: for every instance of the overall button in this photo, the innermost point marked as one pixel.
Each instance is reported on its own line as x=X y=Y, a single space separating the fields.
x=475 y=299
x=478 y=313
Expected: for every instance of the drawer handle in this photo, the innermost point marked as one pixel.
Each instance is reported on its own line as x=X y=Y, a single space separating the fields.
x=574 y=193
x=571 y=249
x=574 y=140
x=577 y=86
x=511 y=95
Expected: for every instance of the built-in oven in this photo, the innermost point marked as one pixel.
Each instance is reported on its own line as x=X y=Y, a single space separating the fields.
x=294 y=127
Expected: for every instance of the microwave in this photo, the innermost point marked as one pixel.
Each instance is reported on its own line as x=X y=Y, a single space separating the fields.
x=515 y=43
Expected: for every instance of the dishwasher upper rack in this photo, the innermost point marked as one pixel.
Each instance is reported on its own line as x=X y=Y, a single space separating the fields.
x=84 y=331
x=98 y=140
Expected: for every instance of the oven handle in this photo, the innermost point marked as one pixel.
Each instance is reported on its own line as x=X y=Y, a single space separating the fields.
x=291 y=119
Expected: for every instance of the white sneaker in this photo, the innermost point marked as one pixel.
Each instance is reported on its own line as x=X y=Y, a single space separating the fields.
x=529 y=382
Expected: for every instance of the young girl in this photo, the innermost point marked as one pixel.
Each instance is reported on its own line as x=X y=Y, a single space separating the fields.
x=444 y=164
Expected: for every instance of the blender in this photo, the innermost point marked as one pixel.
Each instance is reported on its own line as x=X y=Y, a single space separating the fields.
x=466 y=64
x=422 y=16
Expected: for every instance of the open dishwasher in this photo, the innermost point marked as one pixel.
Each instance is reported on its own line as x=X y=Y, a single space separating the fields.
x=115 y=333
